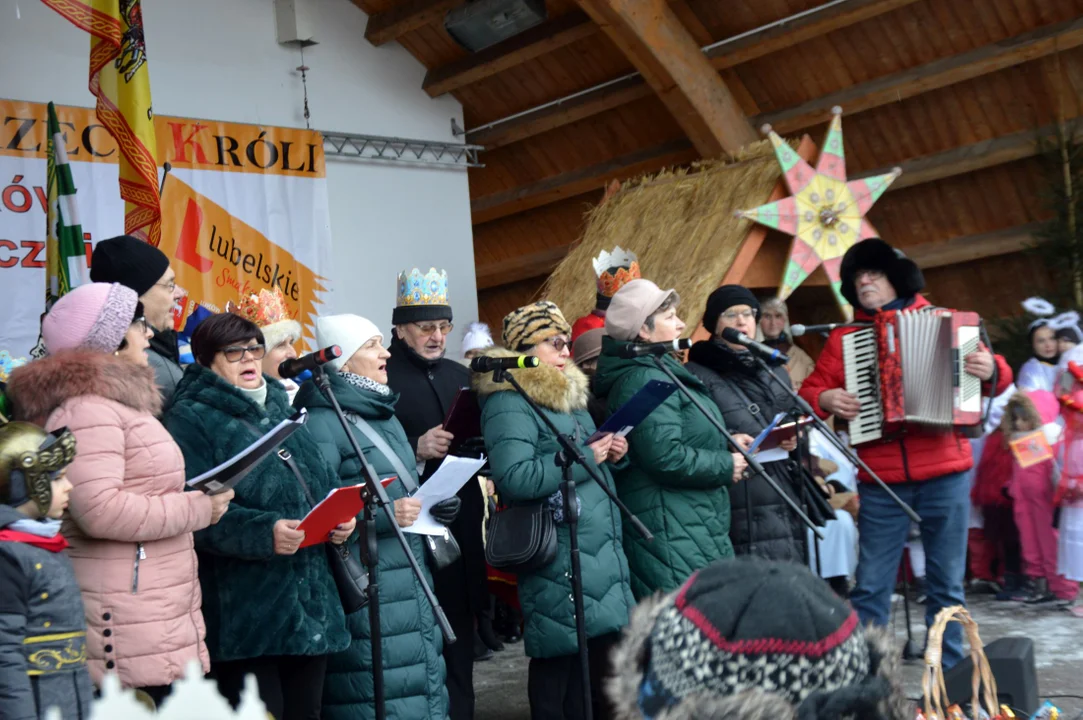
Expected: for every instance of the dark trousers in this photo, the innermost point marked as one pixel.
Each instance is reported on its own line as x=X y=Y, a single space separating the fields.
x=1002 y=533
x=555 y=687
x=459 y=661
x=291 y=686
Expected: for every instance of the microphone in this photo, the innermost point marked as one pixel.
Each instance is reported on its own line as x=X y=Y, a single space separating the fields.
x=295 y=366
x=483 y=363
x=635 y=350
x=799 y=330
x=766 y=352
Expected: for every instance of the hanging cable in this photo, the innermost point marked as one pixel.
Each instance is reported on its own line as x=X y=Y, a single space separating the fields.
x=304 y=84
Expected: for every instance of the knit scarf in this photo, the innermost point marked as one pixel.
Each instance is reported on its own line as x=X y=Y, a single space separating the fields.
x=364 y=383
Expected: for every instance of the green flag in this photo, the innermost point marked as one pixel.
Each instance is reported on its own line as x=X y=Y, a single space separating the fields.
x=65 y=254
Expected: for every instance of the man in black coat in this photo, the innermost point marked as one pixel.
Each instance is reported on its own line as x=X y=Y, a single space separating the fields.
x=427 y=383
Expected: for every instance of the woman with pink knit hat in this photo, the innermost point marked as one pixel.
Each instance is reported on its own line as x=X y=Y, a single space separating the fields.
x=129 y=523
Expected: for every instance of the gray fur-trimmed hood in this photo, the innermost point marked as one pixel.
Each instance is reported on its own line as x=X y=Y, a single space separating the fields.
x=630 y=657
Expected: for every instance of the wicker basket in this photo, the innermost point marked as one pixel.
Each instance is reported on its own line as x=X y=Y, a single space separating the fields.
x=983 y=684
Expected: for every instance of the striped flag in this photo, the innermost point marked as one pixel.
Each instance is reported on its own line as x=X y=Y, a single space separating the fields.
x=65 y=254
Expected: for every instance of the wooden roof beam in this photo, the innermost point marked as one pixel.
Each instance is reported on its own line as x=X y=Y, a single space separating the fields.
x=383 y=27
x=538 y=40
x=521 y=267
x=931 y=76
x=730 y=54
x=662 y=49
x=577 y=182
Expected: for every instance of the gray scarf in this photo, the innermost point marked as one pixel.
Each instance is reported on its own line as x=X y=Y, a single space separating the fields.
x=363 y=383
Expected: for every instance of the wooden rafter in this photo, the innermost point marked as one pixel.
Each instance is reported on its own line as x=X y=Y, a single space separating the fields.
x=539 y=40
x=383 y=27
x=748 y=47
x=577 y=182
x=662 y=49
x=931 y=76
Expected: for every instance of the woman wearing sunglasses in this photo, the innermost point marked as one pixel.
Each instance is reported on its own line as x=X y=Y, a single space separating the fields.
x=271 y=606
x=129 y=522
x=522 y=453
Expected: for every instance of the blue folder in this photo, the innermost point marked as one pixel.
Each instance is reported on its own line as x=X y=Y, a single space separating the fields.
x=635 y=411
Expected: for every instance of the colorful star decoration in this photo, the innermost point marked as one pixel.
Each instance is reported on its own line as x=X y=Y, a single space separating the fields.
x=824 y=213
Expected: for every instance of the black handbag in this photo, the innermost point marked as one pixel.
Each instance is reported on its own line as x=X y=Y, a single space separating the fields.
x=521 y=538
x=350 y=576
x=441 y=551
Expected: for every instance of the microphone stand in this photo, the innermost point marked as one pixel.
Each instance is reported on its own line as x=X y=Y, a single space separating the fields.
x=806 y=409
x=374 y=494
x=753 y=463
x=569 y=456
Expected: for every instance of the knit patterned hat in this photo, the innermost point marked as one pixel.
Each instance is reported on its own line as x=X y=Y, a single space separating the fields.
x=128 y=261
x=95 y=316
x=531 y=324
x=748 y=623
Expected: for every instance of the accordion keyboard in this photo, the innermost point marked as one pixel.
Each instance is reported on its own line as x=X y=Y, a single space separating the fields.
x=862 y=366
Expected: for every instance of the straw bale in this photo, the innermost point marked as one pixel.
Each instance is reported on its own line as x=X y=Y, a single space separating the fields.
x=679 y=222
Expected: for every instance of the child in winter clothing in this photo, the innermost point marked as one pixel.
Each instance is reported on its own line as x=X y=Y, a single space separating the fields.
x=1070 y=490
x=1032 y=489
x=990 y=493
x=43 y=655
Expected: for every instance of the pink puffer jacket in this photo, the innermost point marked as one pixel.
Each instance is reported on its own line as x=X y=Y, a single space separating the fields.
x=129 y=522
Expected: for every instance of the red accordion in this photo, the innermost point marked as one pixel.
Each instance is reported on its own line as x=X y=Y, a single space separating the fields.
x=908 y=367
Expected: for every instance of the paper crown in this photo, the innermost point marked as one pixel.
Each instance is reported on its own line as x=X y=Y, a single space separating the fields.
x=627 y=269
x=416 y=289
x=266 y=308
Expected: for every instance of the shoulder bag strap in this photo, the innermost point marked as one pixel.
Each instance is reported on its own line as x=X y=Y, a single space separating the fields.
x=374 y=437
x=753 y=408
x=286 y=457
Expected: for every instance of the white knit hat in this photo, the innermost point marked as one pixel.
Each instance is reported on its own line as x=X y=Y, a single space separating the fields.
x=477 y=337
x=349 y=332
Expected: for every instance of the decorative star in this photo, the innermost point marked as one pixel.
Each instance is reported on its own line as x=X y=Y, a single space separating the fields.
x=825 y=214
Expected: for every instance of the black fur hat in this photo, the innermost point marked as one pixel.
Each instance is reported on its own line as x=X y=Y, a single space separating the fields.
x=875 y=254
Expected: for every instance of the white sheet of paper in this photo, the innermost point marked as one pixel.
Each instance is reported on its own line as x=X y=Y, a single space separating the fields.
x=445 y=482
x=772 y=455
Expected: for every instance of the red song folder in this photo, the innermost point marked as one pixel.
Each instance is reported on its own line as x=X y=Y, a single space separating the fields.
x=337 y=508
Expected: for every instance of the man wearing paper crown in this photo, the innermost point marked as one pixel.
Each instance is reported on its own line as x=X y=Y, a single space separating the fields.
x=270 y=312
x=427 y=383
x=613 y=270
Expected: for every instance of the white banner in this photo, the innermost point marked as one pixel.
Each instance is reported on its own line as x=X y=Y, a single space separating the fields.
x=243 y=208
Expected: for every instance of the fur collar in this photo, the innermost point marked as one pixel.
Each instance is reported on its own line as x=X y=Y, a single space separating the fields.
x=40 y=387
x=629 y=657
x=560 y=391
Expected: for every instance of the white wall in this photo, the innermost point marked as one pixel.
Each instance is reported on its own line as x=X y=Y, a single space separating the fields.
x=219 y=59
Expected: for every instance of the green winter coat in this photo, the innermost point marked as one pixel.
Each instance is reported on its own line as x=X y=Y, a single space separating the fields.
x=677 y=476
x=522 y=455
x=413 y=664
x=256 y=603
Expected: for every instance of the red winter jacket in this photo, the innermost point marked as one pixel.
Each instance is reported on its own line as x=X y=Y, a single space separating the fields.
x=906 y=454
x=993 y=473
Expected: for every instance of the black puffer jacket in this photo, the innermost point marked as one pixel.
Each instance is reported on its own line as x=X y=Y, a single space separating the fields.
x=762 y=524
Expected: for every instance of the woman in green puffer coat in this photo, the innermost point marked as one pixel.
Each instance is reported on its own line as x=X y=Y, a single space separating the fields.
x=413 y=666
x=679 y=466
x=522 y=452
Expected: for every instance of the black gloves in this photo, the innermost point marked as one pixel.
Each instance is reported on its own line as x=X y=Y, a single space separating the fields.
x=445 y=511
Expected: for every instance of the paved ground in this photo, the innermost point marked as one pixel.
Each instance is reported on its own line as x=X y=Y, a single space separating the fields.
x=501 y=683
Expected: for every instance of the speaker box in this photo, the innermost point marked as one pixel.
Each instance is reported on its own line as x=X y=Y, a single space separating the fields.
x=1012 y=662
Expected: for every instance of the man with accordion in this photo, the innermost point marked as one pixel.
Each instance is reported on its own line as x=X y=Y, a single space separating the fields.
x=919 y=449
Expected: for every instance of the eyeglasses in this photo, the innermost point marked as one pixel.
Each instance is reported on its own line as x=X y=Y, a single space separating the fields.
x=739 y=314
x=170 y=286
x=235 y=353
x=557 y=342
x=141 y=323
x=430 y=328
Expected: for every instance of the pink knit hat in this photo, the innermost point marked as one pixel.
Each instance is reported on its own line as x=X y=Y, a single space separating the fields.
x=95 y=316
